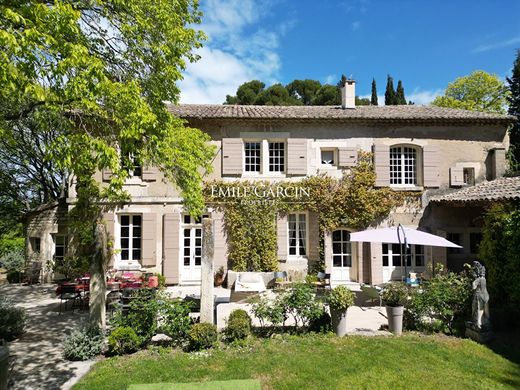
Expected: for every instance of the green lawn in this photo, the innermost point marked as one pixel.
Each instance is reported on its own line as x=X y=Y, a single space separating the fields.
x=321 y=362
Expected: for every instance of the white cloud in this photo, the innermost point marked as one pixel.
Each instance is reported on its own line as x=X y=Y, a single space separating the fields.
x=423 y=97
x=496 y=45
x=237 y=50
x=356 y=25
x=331 y=79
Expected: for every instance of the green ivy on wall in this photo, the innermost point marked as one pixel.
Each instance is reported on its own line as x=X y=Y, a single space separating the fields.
x=250 y=221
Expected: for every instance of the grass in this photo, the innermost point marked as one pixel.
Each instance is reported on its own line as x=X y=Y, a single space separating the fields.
x=320 y=361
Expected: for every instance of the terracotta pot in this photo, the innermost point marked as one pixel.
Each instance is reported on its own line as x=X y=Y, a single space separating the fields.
x=219 y=280
x=153 y=281
x=339 y=321
x=395 y=319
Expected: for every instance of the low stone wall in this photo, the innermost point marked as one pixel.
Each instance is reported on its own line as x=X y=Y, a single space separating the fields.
x=232 y=277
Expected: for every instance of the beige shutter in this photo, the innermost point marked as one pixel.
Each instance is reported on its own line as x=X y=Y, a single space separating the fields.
x=232 y=156
x=150 y=173
x=382 y=164
x=220 y=249
x=149 y=239
x=347 y=157
x=456 y=176
x=314 y=237
x=107 y=174
x=171 y=247
x=431 y=162
x=282 y=233
x=297 y=156
x=108 y=218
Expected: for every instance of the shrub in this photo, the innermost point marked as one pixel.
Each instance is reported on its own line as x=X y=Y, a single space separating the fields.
x=162 y=280
x=238 y=325
x=311 y=278
x=83 y=343
x=442 y=305
x=14 y=263
x=395 y=294
x=12 y=320
x=266 y=310
x=340 y=298
x=123 y=340
x=322 y=324
x=301 y=303
x=175 y=319
x=202 y=336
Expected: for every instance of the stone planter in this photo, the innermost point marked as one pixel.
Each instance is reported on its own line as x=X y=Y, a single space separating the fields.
x=395 y=319
x=339 y=321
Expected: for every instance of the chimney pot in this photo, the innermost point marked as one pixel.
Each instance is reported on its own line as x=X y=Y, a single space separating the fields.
x=348 y=94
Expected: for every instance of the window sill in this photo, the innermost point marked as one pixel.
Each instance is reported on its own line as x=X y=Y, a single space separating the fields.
x=135 y=181
x=407 y=188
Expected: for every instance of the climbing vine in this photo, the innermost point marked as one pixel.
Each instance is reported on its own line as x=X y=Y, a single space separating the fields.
x=250 y=209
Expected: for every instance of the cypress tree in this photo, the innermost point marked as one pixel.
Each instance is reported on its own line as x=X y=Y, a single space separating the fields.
x=373 y=99
x=390 y=98
x=514 y=109
x=400 y=98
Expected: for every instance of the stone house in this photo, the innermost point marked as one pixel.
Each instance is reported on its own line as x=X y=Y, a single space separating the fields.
x=429 y=150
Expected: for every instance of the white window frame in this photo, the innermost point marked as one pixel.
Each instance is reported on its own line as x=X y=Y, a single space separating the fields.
x=130 y=237
x=402 y=159
x=411 y=251
x=342 y=254
x=259 y=142
x=64 y=245
x=334 y=157
x=298 y=254
x=264 y=157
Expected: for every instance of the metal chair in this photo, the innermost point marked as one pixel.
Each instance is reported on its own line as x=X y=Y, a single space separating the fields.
x=69 y=293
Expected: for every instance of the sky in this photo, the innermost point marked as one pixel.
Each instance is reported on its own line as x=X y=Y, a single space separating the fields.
x=424 y=43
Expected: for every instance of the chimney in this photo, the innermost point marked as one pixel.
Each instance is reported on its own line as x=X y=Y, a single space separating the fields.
x=348 y=94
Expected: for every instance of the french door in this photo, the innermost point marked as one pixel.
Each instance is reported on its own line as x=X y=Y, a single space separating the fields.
x=191 y=250
x=341 y=256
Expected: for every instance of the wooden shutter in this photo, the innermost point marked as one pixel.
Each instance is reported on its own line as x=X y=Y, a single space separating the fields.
x=108 y=218
x=456 y=176
x=149 y=239
x=347 y=157
x=431 y=162
x=171 y=247
x=382 y=164
x=107 y=174
x=150 y=173
x=232 y=156
x=282 y=233
x=297 y=156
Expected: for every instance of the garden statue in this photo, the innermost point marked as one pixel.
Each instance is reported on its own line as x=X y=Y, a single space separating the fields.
x=480 y=309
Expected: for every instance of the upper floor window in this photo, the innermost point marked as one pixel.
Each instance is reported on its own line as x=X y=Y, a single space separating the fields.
x=132 y=165
x=403 y=166
x=253 y=156
x=297 y=234
x=328 y=157
x=130 y=237
x=276 y=156
x=264 y=156
x=469 y=176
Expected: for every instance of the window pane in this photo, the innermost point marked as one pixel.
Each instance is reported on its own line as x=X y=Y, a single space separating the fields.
x=187 y=219
x=125 y=220
x=327 y=157
x=197 y=260
x=124 y=254
x=336 y=248
x=474 y=242
x=347 y=261
x=386 y=248
x=136 y=220
x=336 y=261
x=336 y=235
x=124 y=243
x=186 y=261
x=276 y=157
x=252 y=156
x=137 y=231
x=456 y=238
x=403 y=165
x=136 y=254
x=136 y=243
x=125 y=231
x=396 y=261
x=385 y=260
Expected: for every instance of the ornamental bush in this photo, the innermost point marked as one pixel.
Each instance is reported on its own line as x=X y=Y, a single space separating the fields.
x=14 y=263
x=395 y=294
x=340 y=298
x=202 y=336
x=238 y=325
x=123 y=340
x=12 y=320
x=174 y=319
x=268 y=310
x=84 y=343
x=300 y=302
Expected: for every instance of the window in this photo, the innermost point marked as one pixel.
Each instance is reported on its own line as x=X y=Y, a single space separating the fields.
x=35 y=244
x=456 y=238
x=327 y=157
x=474 y=242
x=403 y=166
x=60 y=248
x=297 y=234
x=419 y=256
x=392 y=255
x=132 y=165
x=341 y=249
x=130 y=238
x=252 y=156
x=469 y=176
x=276 y=157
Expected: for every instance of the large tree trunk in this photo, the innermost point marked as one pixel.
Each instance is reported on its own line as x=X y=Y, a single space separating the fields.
x=97 y=277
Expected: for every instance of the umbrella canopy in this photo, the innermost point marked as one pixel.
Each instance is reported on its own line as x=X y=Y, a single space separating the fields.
x=390 y=236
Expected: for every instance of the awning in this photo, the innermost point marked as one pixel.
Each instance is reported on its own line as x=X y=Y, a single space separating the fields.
x=396 y=235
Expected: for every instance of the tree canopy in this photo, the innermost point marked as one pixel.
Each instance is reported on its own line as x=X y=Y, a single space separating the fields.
x=479 y=91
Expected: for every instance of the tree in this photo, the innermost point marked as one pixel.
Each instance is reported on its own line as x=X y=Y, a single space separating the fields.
x=276 y=95
x=362 y=101
x=514 y=109
x=390 y=96
x=97 y=74
x=303 y=90
x=327 y=95
x=400 y=98
x=247 y=93
x=373 y=98
x=480 y=91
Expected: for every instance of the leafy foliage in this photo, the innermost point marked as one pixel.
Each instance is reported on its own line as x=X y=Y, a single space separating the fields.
x=300 y=302
x=390 y=96
x=174 y=318
x=479 y=91
x=399 y=95
x=267 y=310
x=514 y=109
x=14 y=262
x=340 y=298
x=395 y=294
x=202 y=336
x=12 y=320
x=83 y=343
x=238 y=325
x=123 y=340
x=442 y=304
x=373 y=97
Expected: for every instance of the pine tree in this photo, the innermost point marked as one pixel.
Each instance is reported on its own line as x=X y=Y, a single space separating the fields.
x=373 y=99
x=400 y=98
x=390 y=97
x=514 y=109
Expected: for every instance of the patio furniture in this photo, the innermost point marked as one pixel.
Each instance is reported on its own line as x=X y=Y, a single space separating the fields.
x=32 y=273
x=280 y=280
x=323 y=280
x=246 y=285
x=372 y=292
x=68 y=292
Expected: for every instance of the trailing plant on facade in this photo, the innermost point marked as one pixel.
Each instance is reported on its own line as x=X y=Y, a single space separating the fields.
x=250 y=216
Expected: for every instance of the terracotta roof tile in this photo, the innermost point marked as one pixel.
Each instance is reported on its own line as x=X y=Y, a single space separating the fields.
x=504 y=188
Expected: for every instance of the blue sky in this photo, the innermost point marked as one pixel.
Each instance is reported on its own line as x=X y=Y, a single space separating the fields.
x=426 y=44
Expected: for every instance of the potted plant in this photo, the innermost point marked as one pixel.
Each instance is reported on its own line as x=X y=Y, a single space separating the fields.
x=394 y=296
x=219 y=277
x=340 y=299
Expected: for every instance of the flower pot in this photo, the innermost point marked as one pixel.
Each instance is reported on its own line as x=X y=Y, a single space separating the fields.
x=395 y=319
x=339 y=321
